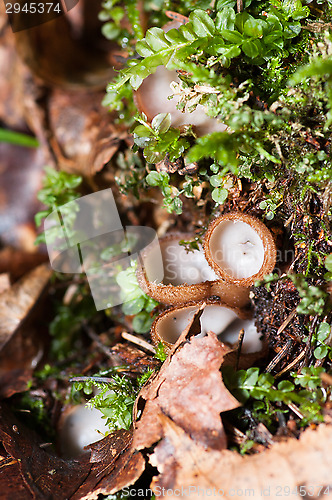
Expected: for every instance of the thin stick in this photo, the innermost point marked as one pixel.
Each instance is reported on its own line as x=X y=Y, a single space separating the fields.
x=291 y=365
x=286 y=322
x=93 y=336
x=239 y=5
x=279 y=356
x=240 y=342
x=137 y=341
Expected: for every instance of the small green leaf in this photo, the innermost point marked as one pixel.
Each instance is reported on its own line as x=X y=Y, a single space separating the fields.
x=328 y=262
x=250 y=49
x=202 y=23
x=110 y=31
x=188 y=33
x=18 y=138
x=154 y=178
x=241 y=19
x=253 y=27
x=142 y=322
x=161 y=122
x=134 y=306
x=225 y=19
x=321 y=352
x=323 y=332
x=136 y=81
x=232 y=36
x=175 y=36
x=286 y=386
x=143 y=49
x=155 y=38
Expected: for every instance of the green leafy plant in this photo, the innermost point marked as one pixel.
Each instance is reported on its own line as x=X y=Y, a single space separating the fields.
x=260 y=387
x=159 y=138
x=321 y=335
x=160 y=352
x=58 y=189
x=115 y=397
x=320 y=67
x=313 y=298
x=135 y=302
x=172 y=202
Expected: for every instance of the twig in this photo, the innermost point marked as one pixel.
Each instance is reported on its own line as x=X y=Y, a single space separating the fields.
x=286 y=322
x=240 y=342
x=101 y=380
x=279 y=356
x=93 y=336
x=239 y=5
x=137 y=341
x=291 y=365
x=295 y=409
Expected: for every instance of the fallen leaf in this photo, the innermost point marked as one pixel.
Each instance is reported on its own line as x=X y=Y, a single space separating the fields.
x=115 y=466
x=43 y=474
x=84 y=137
x=280 y=471
x=21 y=341
x=18 y=262
x=40 y=474
x=189 y=390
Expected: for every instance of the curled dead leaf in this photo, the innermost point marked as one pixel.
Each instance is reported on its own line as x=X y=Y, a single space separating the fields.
x=295 y=467
x=189 y=390
x=21 y=342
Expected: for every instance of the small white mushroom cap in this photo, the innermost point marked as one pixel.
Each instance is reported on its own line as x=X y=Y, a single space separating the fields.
x=80 y=426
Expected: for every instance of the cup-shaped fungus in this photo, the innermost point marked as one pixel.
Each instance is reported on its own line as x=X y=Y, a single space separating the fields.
x=240 y=248
x=152 y=98
x=224 y=321
x=186 y=275
x=80 y=426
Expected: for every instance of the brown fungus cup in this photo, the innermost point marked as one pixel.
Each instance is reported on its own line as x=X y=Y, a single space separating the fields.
x=186 y=275
x=217 y=317
x=239 y=248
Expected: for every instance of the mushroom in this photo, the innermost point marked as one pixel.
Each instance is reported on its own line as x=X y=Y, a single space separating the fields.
x=224 y=321
x=186 y=275
x=152 y=98
x=239 y=248
x=80 y=426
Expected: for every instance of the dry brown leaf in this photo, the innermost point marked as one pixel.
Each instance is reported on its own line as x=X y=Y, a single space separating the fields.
x=17 y=262
x=115 y=466
x=17 y=302
x=39 y=474
x=279 y=472
x=43 y=474
x=84 y=136
x=21 y=341
x=189 y=390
